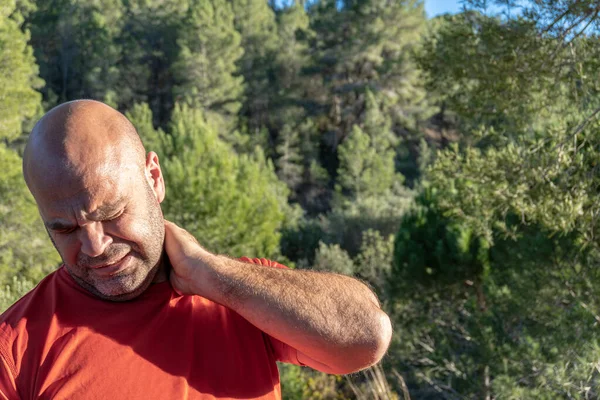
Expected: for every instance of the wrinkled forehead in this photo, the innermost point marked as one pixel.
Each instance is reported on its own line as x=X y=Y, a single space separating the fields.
x=76 y=193
x=80 y=142
x=55 y=173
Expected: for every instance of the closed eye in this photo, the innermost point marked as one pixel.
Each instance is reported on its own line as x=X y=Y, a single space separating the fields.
x=62 y=230
x=115 y=216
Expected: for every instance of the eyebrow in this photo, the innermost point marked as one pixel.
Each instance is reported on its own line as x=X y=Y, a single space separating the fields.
x=107 y=210
x=58 y=225
x=100 y=213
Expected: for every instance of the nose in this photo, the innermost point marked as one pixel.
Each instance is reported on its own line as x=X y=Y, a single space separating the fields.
x=93 y=240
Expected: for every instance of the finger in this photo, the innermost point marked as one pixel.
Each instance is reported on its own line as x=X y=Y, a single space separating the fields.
x=179 y=240
x=175 y=283
x=179 y=233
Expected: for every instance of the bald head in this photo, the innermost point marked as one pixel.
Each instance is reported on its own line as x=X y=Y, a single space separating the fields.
x=79 y=138
x=99 y=197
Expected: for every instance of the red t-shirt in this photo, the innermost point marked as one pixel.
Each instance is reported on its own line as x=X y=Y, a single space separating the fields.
x=61 y=342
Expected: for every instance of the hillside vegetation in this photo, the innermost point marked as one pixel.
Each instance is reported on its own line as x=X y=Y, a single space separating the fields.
x=452 y=163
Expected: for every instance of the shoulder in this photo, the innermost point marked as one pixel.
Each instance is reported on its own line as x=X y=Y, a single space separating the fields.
x=262 y=261
x=23 y=320
x=33 y=306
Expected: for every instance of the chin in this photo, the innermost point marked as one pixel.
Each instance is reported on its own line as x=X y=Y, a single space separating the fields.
x=122 y=287
x=120 y=297
x=126 y=289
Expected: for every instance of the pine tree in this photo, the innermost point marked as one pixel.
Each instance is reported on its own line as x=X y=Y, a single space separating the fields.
x=333 y=258
x=292 y=55
x=289 y=161
x=255 y=22
x=25 y=251
x=504 y=257
x=289 y=109
x=18 y=74
x=231 y=203
x=367 y=155
x=378 y=125
x=76 y=48
x=148 y=41
x=205 y=71
x=366 y=45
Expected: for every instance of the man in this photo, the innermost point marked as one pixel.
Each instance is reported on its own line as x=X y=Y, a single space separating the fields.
x=139 y=310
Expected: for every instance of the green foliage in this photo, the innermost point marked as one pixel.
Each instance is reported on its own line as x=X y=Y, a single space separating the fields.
x=77 y=49
x=206 y=67
x=366 y=157
x=300 y=242
x=334 y=259
x=231 y=203
x=545 y=181
x=518 y=311
x=292 y=382
x=148 y=42
x=291 y=92
x=346 y=226
x=507 y=74
x=289 y=163
x=363 y=170
x=366 y=45
x=431 y=249
x=303 y=383
x=255 y=21
x=490 y=276
x=18 y=74
x=499 y=253
x=13 y=291
x=299 y=165
x=374 y=262
x=25 y=250
x=347 y=222
x=293 y=33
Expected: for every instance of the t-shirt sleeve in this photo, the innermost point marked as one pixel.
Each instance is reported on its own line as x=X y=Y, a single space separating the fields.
x=262 y=261
x=8 y=384
x=282 y=351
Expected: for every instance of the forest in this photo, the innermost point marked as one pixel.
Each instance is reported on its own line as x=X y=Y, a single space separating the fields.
x=451 y=163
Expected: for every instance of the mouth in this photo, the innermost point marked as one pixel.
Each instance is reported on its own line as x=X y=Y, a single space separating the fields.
x=113 y=267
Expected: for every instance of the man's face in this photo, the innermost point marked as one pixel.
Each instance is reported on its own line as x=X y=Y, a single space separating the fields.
x=108 y=227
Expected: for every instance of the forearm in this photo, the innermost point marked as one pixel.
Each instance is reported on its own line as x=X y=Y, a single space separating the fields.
x=332 y=319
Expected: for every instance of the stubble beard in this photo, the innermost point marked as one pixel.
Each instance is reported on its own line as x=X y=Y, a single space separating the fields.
x=126 y=285
x=120 y=287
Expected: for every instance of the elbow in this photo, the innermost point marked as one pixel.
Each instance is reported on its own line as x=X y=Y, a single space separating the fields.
x=384 y=336
x=372 y=348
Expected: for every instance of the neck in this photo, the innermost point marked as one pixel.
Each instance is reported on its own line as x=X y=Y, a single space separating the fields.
x=164 y=268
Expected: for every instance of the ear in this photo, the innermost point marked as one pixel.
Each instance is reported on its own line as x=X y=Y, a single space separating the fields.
x=154 y=176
